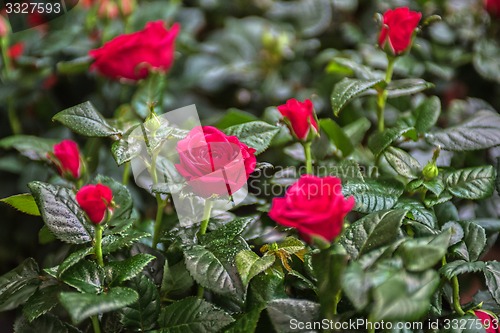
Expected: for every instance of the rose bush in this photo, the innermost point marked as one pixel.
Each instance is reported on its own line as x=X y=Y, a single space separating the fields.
x=371 y=169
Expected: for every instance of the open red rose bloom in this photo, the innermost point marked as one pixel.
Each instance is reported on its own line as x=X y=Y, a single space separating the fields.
x=213 y=162
x=397 y=31
x=132 y=56
x=314 y=206
x=95 y=200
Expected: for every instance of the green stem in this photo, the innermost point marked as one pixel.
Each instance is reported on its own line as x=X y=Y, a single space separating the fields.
x=206 y=216
x=98 y=245
x=203 y=229
x=456 y=292
x=15 y=124
x=337 y=299
x=95 y=324
x=307 y=152
x=126 y=173
x=456 y=296
x=159 y=219
x=382 y=94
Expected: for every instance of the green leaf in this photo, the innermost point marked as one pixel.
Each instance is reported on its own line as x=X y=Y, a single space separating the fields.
x=250 y=264
x=361 y=71
x=18 y=285
x=255 y=134
x=143 y=314
x=24 y=203
x=61 y=213
x=176 y=279
x=284 y=311
x=329 y=267
x=192 y=315
x=430 y=251
x=372 y=231
x=474 y=241
x=127 y=269
x=114 y=243
x=86 y=276
x=405 y=87
x=357 y=129
x=41 y=302
x=82 y=306
x=458 y=267
x=492 y=276
x=418 y=212
x=427 y=114
x=356 y=285
x=471 y=183
x=234 y=117
x=84 y=119
x=404 y=296
x=247 y=323
x=478 y=132
x=149 y=94
x=404 y=164
x=381 y=140
x=73 y=259
x=33 y=147
x=485 y=59
x=127 y=147
x=372 y=195
x=45 y=236
x=212 y=272
x=337 y=136
x=347 y=89
x=74 y=66
x=45 y=323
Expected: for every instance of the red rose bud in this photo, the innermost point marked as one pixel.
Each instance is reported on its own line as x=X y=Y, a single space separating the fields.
x=489 y=321
x=127 y=7
x=95 y=200
x=133 y=56
x=213 y=162
x=68 y=158
x=492 y=7
x=398 y=29
x=300 y=118
x=314 y=206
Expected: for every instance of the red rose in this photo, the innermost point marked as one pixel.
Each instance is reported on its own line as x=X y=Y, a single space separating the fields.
x=16 y=50
x=489 y=321
x=132 y=56
x=314 y=206
x=299 y=117
x=68 y=158
x=95 y=200
x=398 y=28
x=213 y=162
x=493 y=7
